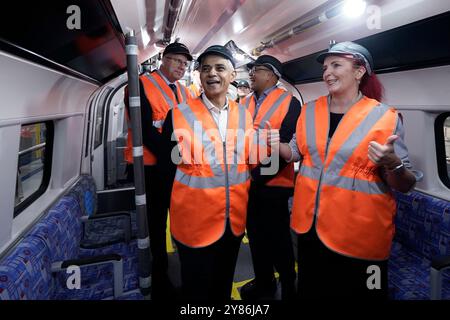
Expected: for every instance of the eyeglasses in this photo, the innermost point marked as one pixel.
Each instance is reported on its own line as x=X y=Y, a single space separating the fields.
x=254 y=70
x=179 y=62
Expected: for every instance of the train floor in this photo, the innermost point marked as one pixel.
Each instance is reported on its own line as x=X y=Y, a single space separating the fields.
x=242 y=275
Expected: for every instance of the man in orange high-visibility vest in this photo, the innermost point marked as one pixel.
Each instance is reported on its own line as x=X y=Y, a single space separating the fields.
x=268 y=217
x=210 y=187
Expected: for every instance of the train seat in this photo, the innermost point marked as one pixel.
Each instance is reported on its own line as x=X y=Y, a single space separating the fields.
x=36 y=267
x=25 y=272
x=107 y=233
x=422 y=235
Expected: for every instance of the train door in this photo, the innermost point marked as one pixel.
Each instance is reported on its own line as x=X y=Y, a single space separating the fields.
x=98 y=142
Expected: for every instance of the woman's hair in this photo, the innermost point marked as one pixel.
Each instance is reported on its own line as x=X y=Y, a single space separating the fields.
x=370 y=85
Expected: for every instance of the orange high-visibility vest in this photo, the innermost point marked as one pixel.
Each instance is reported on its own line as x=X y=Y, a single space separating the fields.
x=161 y=98
x=212 y=182
x=339 y=185
x=195 y=90
x=274 y=108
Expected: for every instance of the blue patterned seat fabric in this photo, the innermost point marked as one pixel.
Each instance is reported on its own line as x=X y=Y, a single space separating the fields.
x=422 y=232
x=131 y=296
x=101 y=231
x=105 y=231
x=61 y=229
x=86 y=194
x=25 y=273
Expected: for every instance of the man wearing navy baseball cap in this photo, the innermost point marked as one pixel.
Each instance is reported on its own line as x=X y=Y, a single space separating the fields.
x=268 y=228
x=177 y=48
x=210 y=189
x=159 y=92
x=270 y=62
x=243 y=89
x=217 y=50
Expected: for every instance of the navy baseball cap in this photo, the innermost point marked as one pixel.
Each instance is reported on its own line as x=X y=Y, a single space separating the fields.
x=270 y=62
x=354 y=49
x=243 y=83
x=217 y=50
x=178 y=48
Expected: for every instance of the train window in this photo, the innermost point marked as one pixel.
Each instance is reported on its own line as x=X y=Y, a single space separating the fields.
x=34 y=163
x=446 y=128
x=442 y=131
x=98 y=127
x=88 y=134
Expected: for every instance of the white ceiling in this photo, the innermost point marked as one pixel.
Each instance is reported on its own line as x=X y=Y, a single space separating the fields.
x=202 y=23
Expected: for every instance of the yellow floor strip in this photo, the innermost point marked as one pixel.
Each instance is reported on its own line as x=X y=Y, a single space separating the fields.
x=169 y=245
x=235 y=295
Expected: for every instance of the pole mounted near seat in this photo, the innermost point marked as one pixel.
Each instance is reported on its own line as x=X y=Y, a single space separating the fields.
x=134 y=103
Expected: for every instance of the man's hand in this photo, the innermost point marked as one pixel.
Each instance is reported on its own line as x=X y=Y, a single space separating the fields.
x=273 y=136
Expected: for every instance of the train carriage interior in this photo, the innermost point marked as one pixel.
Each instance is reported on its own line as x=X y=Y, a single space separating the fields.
x=65 y=193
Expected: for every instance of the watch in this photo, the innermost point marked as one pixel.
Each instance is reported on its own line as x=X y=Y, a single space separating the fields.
x=398 y=168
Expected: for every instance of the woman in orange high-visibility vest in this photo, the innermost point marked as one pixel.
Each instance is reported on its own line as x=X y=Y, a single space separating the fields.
x=353 y=155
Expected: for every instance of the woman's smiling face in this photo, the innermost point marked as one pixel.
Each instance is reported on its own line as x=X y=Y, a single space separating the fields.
x=340 y=74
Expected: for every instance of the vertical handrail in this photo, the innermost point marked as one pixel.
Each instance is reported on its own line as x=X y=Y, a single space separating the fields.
x=134 y=103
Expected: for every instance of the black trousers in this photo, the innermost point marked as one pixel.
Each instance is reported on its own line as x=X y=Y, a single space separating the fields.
x=269 y=235
x=323 y=273
x=207 y=273
x=157 y=198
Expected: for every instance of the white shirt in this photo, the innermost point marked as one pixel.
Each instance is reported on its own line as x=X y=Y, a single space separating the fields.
x=220 y=115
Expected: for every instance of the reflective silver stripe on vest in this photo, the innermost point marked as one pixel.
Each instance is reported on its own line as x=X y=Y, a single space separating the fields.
x=247 y=102
x=211 y=182
x=234 y=177
x=237 y=177
x=158 y=123
x=208 y=145
x=310 y=172
x=348 y=147
x=346 y=151
x=262 y=142
x=354 y=184
x=274 y=108
x=182 y=90
x=240 y=143
x=331 y=174
x=310 y=124
x=156 y=84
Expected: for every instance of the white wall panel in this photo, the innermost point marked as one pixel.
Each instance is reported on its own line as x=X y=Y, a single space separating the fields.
x=9 y=144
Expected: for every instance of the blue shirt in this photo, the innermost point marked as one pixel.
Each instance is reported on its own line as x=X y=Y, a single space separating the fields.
x=259 y=100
